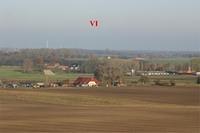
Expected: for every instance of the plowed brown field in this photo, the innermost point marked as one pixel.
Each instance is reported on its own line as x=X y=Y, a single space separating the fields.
x=136 y=109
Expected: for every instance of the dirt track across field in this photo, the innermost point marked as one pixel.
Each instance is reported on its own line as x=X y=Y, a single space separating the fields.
x=135 y=110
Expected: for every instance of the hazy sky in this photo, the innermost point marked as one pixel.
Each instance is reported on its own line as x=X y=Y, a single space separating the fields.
x=124 y=24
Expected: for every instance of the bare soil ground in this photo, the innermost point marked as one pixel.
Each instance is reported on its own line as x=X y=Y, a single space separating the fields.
x=136 y=110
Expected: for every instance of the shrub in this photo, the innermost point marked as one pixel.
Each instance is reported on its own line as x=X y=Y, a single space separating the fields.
x=198 y=80
x=172 y=82
x=144 y=79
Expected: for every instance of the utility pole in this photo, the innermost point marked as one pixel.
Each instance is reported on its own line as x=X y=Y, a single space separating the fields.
x=47 y=44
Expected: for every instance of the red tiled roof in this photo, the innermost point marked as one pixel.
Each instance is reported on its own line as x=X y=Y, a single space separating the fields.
x=85 y=80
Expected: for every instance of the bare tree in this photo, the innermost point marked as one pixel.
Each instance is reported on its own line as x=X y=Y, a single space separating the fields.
x=109 y=72
x=27 y=65
x=195 y=64
x=39 y=61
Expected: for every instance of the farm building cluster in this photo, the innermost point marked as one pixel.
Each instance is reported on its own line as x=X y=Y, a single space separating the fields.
x=79 y=82
x=92 y=81
x=73 y=67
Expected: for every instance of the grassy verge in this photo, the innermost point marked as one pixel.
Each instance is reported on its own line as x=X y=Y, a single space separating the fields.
x=17 y=74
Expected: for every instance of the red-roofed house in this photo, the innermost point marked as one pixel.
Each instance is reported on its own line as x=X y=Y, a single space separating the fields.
x=86 y=81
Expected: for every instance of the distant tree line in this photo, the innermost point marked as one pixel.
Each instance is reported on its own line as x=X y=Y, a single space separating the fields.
x=16 y=58
x=89 y=59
